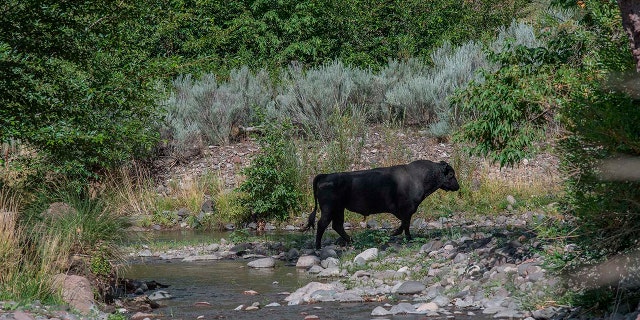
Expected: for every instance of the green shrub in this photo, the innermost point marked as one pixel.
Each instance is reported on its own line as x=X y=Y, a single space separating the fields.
x=272 y=179
x=506 y=112
x=602 y=124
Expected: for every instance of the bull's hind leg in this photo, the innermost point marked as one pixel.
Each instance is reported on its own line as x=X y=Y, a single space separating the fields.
x=338 y=226
x=323 y=223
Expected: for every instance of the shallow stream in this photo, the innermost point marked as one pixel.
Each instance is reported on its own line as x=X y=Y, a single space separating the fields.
x=213 y=289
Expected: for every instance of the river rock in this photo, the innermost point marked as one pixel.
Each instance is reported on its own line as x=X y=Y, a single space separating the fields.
x=329 y=272
x=429 y=306
x=160 y=295
x=306 y=261
x=20 y=315
x=545 y=314
x=273 y=305
x=254 y=306
x=303 y=294
x=208 y=206
x=509 y=313
x=330 y=263
x=212 y=247
x=328 y=252
x=142 y=315
x=380 y=311
x=348 y=296
x=262 y=263
x=183 y=212
x=402 y=308
x=461 y=258
x=410 y=287
x=292 y=254
x=441 y=301
x=145 y=253
x=418 y=224
x=315 y=269
x=432 y=245
x=322 y=296
x=365 y=256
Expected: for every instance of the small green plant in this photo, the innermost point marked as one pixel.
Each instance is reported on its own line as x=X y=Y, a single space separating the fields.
x=370 y=239
x=116 y=316
x=165 y=218
x=239 y=236
x=99 y=264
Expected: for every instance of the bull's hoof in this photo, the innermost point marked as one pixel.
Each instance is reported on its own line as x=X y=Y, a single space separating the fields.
x=342 y=242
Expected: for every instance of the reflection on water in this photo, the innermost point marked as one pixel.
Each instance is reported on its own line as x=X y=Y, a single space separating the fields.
x=219 y=283
x=176 y=236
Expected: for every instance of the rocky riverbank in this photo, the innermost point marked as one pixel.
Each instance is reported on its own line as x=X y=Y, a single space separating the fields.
x=487 y=266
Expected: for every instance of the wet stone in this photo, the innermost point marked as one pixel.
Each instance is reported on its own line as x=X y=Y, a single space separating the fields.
x=411 y=287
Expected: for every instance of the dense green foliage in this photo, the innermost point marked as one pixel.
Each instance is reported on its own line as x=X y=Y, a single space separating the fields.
x=508 y=110
x=76 y=84
x=78 y=79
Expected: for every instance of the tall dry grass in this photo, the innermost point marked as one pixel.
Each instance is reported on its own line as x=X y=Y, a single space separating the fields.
x=10 y=235
x=26 y=269
x=130 y=190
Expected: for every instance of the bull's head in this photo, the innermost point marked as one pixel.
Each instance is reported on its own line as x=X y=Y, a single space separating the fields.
x=449 y=181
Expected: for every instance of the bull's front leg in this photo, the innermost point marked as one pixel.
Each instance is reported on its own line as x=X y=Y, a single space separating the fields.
x=405 y=222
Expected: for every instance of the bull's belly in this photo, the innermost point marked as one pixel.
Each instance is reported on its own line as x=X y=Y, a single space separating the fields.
x=367 y=210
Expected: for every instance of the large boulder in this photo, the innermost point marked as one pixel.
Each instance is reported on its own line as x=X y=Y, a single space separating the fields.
x=76 y=291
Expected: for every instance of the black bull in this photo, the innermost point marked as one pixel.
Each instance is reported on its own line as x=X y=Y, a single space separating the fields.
x=398 y=190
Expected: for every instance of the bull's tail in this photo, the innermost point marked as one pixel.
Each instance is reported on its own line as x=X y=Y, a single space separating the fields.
x=311 y=222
